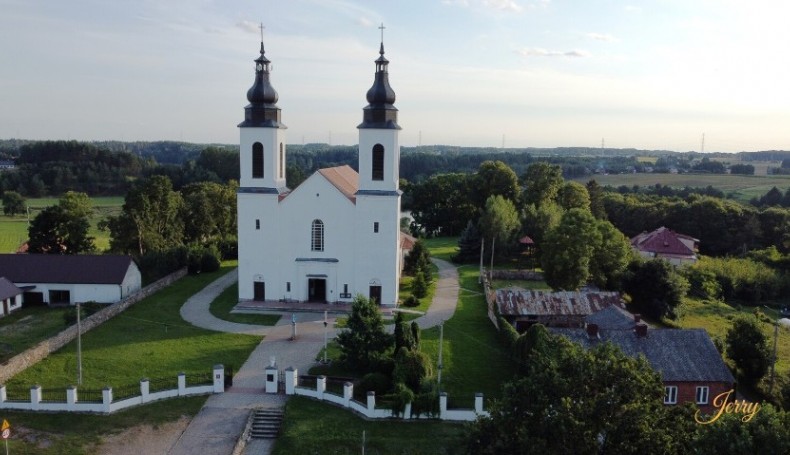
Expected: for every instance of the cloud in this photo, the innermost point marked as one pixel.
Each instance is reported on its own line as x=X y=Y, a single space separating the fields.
x=601 y=37
x=249 y=27
x=540 y=52
x=364 y=22
x=503 y=5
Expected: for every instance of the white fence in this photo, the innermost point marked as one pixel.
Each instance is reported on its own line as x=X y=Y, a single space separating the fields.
x=369 y=409
x=107 y=405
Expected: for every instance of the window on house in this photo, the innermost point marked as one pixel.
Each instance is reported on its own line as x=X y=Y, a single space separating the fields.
x=257 y=160
x=257 y=224
x=378 y=162
x=670 y=394
x=282 y=160
x=376 y=226
x=317 y=238
x=345 y=294
x=702 y=394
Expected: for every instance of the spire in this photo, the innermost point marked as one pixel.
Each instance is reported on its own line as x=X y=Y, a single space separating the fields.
x=262 y=110
x=380 y=111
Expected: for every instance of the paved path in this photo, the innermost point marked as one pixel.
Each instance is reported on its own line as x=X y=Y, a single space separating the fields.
x=219 y=423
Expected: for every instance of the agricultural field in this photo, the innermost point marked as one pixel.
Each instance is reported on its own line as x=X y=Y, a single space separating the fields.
x=13 y=229
x=739 y=187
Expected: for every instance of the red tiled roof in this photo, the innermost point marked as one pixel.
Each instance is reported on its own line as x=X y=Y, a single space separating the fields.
x=344 y=178
x=662 y=241
x=406 y=241
x=526 y=240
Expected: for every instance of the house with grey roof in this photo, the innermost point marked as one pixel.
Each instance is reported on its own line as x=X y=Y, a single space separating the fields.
x=690 y=366
x=69 y=279
x=525 y=307
x=10 y=297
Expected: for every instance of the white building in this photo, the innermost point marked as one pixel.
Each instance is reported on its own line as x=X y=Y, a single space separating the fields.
x=10 y=297
x=337 y=234
x=71 y=278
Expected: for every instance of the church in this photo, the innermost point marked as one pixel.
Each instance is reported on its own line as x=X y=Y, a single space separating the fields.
x=337 y=234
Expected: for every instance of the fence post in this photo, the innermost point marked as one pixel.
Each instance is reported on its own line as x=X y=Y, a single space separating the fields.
x=320 y=386
x=71 y=396
x=145 y=388
x=478 y=403
x=272 y=379
x=291 y=380
x=371 y=403
x=219 y=378
x=442 y=405
x=2 y=393
x=106 y=398
x=182 y=383
x=35 y=397
x=407 y=411
x=348 y=393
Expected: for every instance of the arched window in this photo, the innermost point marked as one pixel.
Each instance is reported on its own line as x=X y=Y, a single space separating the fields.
x=282 y=160
x=257 y=160
x=378 y=162
x=317 y=238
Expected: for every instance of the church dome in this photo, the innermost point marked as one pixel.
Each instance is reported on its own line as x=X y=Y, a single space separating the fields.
x=262 y=91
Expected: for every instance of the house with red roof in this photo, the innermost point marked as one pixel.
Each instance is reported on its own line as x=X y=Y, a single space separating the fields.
x=664 y=243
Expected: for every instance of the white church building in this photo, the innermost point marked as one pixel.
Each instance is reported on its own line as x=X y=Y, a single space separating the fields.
x=337 y=234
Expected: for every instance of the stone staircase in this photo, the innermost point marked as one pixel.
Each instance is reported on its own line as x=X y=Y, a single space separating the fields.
x=266 y=423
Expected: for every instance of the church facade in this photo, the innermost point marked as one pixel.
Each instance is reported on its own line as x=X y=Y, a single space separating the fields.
x=337 y=234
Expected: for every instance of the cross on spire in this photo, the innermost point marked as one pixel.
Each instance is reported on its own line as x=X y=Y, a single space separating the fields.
x=381 y=27
x=261 y=27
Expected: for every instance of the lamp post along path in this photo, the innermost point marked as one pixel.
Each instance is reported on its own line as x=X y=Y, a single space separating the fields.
x=325 y=340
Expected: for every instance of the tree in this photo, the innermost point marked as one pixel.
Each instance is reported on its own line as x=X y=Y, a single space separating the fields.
x=468 y=244
x=655 y=287
x=596 y=199
x=610 y=257
x=568 y=250
x=417 y=257
x=209 y=211
x=500 y=222
x=573 y=195
x=577 y=401
x=419 y=288
x=402 y=333
x=364 y=341
x=495 y=178
x=537 y=221
x=442 y=204
x=747 y=347
x=62 y=228
x=13 y=203
x=151 y=218
x=768 y=432
x=542 y=181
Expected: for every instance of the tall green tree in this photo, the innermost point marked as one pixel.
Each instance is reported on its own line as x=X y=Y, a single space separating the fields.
x=568 y=250
x=151 y=218
x=537 y=221
x=611 y=256
x=63 y=228
x=468 y=244
x=747 y=347
x=209 y=211
x=542 y=181
x=500 y=222
x=13 y=203
x=495 y=178
x=582 y=402
x=596 y=199
x=655 y=287
x=573 y=195
x=767 y=433
x=443 y=204
x=364 y=342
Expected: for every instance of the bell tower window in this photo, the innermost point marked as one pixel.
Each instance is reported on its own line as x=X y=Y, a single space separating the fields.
x=257 y=160
x=378 y=162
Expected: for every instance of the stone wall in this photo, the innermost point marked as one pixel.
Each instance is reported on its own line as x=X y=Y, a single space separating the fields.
x=37 y=353
x=522 y=275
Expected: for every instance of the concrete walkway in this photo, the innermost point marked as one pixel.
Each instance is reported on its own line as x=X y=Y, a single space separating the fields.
x=221 y=421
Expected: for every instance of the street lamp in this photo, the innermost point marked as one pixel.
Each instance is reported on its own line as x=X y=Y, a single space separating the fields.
x=325 y=324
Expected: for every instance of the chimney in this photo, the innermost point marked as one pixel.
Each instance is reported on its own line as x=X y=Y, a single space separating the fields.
x=641 y=330
x=592 y=330
x=637 y=318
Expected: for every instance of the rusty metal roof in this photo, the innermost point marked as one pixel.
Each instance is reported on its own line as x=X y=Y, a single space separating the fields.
x=526 y=302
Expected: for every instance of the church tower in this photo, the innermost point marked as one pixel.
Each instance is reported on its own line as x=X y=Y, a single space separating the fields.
x=378 y=196
x=262 y=151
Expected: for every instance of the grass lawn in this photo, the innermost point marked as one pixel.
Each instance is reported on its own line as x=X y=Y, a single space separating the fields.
x=25 y=327
x=148 y=340
x=13 y=230
x=442 y=247
x=404 y=293
x=312 y=427
x=68 y=433
x=222 y=305
x=716 y=318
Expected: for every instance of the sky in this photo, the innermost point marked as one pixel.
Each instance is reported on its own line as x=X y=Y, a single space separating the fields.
x=652 y=74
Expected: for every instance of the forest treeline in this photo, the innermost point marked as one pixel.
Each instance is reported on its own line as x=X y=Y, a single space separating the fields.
x=49 y=168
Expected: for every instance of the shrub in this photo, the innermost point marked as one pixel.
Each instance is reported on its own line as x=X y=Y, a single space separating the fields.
x=375 y=382
x=210 y=260
x=507 y=334
x=411 y=301
x=411 y=367
x=156 y=264
x=229 y=248
x=419 y=288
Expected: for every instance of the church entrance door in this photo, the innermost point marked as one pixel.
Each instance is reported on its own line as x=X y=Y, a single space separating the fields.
x=259 y=291
x=375 y=294
x=316 y=290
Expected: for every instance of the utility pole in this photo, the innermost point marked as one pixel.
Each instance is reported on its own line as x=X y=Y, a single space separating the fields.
x=79 y=346
x=773 y=364
x=482 y=247
x=441 y=339
x=325 y=324
x=702 y=144
x=491 y=271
